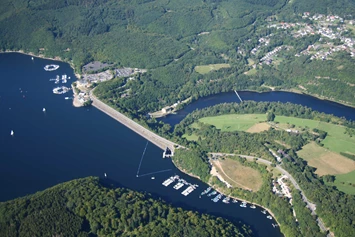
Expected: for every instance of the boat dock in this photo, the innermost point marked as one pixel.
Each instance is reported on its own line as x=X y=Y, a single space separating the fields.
x=178 y=186
x=170 y=180
x=188 y=191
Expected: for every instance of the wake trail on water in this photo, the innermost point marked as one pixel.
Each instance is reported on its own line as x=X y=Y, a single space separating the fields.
x=140 y=163
x=161 y=171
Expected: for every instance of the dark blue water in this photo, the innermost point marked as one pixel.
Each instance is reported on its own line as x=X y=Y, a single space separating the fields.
x=324 y=106
x=65 y=143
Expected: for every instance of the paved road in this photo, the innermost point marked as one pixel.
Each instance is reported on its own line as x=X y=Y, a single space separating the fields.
x=311 y=206
x=144 y=132
x=164 y=143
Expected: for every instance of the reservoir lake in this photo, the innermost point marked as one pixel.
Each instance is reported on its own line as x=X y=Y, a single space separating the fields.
x=64 y=143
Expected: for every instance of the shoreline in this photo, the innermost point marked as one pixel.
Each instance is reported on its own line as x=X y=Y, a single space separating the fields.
x=57 y=58
x=219 y=190
x=78 y=76
x=300 y=93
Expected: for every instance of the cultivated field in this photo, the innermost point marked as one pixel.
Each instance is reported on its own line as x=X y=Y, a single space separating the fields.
x=238 y=175
x=326 y=161
x=336 y=140
x=203 y=69
x=236 y=122
x=259 y=127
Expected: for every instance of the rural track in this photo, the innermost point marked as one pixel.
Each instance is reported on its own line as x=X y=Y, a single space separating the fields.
x=311 y=206
x=163 y=143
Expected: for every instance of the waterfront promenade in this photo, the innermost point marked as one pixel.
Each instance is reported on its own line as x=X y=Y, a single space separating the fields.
x=134 y=126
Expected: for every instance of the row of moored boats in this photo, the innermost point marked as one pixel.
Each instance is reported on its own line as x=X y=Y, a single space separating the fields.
x=218 y=196
x=64 y=79
x=180 y=183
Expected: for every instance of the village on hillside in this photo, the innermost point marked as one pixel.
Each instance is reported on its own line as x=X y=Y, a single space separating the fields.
x=333 y=30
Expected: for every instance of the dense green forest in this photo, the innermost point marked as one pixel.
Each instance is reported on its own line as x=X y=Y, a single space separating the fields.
x=307 y=225
x=170 y=38
x=86 y=208
x=334 y=207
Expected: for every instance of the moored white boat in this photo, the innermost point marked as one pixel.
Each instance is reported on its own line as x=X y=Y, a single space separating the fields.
x=51 y=67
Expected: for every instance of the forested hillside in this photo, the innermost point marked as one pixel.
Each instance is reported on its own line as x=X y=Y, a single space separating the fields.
x=84 y=207
x=171 y=38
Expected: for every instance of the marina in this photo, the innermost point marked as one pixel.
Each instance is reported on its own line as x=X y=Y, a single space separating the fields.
x=64 y=79
x=217 y=198
x=51 y=67
x=206 y=191
x=61 y=90
x=101 y=143
x=168 y=181
x=178 y=186
x=188 y=190
x=211 y=194
x=226 y=200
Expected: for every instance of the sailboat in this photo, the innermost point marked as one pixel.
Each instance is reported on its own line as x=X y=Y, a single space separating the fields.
x=105 y=175
x=12 y=132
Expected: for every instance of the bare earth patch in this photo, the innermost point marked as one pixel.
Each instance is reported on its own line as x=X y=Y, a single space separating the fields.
x=260 y=127
x=238 y=175
x=326 y=162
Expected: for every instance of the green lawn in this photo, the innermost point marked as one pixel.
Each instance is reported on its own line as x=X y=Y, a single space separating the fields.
x=345 y=182
x=192 y=137
x=234 y=122
x=336 y=140
x=203 y=69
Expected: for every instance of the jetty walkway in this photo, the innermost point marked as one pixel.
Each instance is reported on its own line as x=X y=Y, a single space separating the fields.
x=134 y=126
x=164 y=143
x=311 y=206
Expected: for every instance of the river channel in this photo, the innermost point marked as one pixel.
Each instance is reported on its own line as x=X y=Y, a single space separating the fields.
x=65 y=143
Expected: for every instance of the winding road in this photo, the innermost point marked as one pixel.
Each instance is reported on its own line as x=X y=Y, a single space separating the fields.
x=164 y=143
x=311 y=206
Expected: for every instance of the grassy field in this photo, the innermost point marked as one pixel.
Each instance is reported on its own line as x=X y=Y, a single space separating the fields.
x=192 y=137
x=326 y=161
x=346 y=182
x=234 y=122
x=259 y=127
x=238 y=175
x=336 y=140
x=210 y=67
